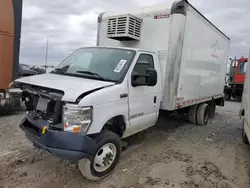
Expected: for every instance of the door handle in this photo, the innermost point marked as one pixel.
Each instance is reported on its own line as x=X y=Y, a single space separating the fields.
x=155 y=99
x=124 y=95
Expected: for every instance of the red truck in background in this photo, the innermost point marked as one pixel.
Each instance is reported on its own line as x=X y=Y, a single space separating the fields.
x=236 y=78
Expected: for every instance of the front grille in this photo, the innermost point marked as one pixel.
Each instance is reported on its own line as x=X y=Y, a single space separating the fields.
x=53 y=112
x=48 y=109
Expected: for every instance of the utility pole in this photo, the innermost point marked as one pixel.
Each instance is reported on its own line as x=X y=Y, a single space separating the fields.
x=46 y=56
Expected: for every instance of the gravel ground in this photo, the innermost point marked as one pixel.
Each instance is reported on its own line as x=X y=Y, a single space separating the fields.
x=171 y=154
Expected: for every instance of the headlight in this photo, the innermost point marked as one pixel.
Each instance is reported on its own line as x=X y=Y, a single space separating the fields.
x=76 y=118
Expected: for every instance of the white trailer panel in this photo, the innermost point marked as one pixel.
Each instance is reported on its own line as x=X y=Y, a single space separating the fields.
x=203 y=62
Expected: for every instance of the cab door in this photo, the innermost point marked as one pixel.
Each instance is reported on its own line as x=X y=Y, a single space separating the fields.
x=144 y=100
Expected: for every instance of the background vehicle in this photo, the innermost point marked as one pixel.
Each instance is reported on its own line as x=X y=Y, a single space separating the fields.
x=10 y=33
x=38 y=69
x=147 y=59
x=245 y=108
x=25 y=70
x=235 y=84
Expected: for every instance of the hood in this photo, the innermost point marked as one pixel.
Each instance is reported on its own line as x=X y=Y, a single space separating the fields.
x=72 y=87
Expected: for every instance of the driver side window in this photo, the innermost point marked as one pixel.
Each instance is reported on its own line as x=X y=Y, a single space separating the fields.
x=144 y=61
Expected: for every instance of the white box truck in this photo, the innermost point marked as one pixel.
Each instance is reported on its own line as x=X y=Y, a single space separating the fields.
x=158 y=57
x=245 y=106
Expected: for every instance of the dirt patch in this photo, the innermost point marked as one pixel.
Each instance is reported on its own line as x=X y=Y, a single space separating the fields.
x=151 y=181
x=190 y=171
x=170 y=154
x=208 y=169
x=178 y=155
x=205 y=174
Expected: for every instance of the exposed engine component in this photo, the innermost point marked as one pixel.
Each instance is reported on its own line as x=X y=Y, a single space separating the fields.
x=46 y=104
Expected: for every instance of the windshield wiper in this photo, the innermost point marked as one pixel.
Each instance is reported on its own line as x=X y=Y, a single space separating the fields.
x=59 y=70
x=94 y=74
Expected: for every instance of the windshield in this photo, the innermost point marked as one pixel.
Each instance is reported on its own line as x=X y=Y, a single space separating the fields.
x=242 y=68
x=97 y=63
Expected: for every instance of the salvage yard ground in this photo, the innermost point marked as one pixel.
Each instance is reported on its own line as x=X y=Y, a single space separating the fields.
x=171 y=154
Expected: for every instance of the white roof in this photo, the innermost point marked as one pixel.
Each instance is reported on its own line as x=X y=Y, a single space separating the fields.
x=150 y=9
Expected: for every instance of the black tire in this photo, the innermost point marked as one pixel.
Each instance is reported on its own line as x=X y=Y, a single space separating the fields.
x=244 y=136
x=192 y=114
x=202 y=114
x=86 y=166
x=227 y=96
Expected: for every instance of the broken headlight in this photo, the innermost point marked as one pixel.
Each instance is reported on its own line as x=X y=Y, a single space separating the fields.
x=76 y=119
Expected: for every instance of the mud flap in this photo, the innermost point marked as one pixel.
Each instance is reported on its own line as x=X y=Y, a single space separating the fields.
x=211 y=111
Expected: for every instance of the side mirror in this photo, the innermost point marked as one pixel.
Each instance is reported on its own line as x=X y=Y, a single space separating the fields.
x=149 y=79
x=152 y=77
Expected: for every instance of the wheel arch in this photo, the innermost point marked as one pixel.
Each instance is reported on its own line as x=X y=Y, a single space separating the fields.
x=219 y=101
x=116 y=124
x=242 y=112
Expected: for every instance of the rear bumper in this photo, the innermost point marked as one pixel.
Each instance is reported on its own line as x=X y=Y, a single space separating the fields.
x=65 y=145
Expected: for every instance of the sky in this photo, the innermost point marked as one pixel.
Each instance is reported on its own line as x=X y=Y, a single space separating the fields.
x=72 y=24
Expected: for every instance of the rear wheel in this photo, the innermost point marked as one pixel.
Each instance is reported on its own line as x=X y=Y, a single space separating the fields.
x=192 y=114
x=203 y=114
x=105 y=159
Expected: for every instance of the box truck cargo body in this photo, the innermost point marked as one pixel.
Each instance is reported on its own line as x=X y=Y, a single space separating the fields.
x=147 y=59
x=191 y=50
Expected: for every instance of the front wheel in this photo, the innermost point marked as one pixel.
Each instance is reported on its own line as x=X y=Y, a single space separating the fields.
x=107 y=155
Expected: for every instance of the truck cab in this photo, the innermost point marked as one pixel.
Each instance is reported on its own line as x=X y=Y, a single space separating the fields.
x=68 y=104
x=239 y=77
x=235 y=84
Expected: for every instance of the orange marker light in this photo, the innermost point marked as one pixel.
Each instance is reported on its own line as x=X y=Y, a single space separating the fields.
x=44 y=129
x=76 y=129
